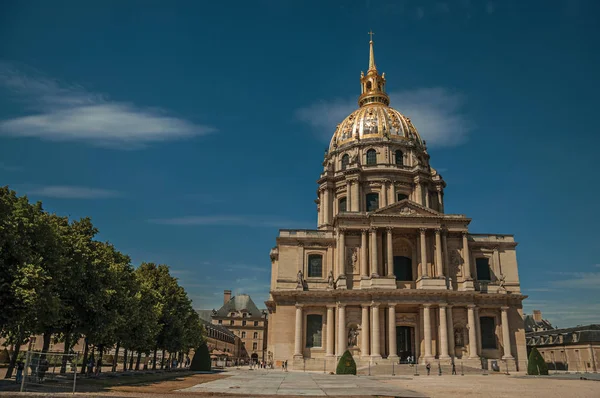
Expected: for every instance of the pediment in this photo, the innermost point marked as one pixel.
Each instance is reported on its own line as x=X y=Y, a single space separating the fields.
x=406 y=208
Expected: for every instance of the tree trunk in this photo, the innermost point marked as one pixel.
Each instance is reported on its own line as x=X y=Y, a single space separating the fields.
x=85 y=356
x=125 y=360
x=100 y=355
x=63 y=365
x=131 y=361
x=154 y=360
x=116 y=358
x=13 y=358
x=137 y=362
x=162 y=359
x=46 y=346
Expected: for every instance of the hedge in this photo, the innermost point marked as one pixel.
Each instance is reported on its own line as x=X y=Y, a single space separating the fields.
x=536 y=364
x=346 y=365
x=201 y=359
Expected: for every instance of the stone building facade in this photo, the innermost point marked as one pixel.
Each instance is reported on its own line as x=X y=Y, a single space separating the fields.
x=388 y=274
x=242 y=317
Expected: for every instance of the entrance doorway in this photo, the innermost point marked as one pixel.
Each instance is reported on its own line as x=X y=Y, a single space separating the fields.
x=405 y=337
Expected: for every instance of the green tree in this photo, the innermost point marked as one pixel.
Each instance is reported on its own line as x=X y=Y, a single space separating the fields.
x=346 y=365
x=536 y=364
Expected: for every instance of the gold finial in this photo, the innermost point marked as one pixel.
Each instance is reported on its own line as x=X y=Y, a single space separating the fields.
x=371 y=53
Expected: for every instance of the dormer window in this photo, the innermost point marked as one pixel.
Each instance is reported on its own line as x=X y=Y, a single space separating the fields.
x=345 y=161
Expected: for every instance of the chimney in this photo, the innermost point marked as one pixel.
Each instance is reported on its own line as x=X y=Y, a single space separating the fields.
x=537 y=315
x=226 y=296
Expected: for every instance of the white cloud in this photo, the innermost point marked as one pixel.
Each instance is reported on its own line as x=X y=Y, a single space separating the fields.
x=578 y=280
x=70 y=113
x=436 y=113
x=72 y=192
x=224 y=220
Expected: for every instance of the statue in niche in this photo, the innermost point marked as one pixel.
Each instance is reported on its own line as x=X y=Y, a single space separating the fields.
x=330 y=280
x=352 y=337
x=502 y=282
x=352 y=260
x=300 y=278
x=458 y=337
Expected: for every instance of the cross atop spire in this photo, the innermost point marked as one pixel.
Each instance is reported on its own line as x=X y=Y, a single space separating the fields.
x=372 y=66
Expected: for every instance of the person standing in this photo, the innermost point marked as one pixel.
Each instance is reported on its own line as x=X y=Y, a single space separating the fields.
x=20 y=368
x=453 y=368
x=428 y=367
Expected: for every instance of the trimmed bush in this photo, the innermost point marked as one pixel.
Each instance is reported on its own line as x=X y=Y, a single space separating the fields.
x=201 y=359
x=536 y=364
x=4 y=356
x=346 y=365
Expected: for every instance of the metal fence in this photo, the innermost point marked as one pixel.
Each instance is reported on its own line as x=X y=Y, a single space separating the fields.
x=49 y=372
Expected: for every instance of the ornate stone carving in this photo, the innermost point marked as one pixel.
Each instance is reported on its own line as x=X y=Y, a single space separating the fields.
x=406 y=318
x=351 y=259
x=330 y=280
x=455 y=260
x=300 y=280
x=407 y=211
x=352 y=337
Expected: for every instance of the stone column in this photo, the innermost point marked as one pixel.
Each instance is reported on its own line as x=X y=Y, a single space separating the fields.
x=427 y=331
x=478 y=329
x=384 y=194
x=341 y=269
x=506 y=334
x=466 y=256
x=364 y=252
x=443 y=333
x=375 y=338
x=424 y=273
x=440 y=200
x=472 y=332
x=326 y=206
x=390 y=252
x=392 y=193
x=439 y=267
x=392 y=348
x=341 y=329
x=426 y=194
x=418 y=193
x=330 y=331
x=320 y=215
x=364 y=344
x=446 y=259
x=298 y=334
x=374 y=255
x=450 y=327
x=348 y=195
x=497 y=261
x=355 y=196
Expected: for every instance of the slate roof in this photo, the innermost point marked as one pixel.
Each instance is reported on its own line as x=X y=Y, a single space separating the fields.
x=240 y=303
x=205 y=315
x=531 y=325
x=207 y=322
x=582 y=334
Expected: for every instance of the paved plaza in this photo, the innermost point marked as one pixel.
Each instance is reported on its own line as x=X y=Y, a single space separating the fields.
x=260 y=382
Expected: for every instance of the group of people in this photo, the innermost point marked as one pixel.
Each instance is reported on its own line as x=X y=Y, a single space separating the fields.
x=261 y=365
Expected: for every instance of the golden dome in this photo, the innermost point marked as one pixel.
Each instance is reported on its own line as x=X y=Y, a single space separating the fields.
x=374 y=118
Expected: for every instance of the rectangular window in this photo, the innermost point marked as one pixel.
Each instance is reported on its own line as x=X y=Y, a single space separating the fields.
x=220 y=321
x=255 y=335
x=255 y=323
x=315 y=266
x=342 y=205
x=243 y=323
x=488 y=332
x=372 y=201
x=483 y=269
x=401 y=196
x=254 y=346
x=314 y=326
x=231 y=322
x=243 y=335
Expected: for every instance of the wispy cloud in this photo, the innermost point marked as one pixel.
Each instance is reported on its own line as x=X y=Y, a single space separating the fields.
x=578 y=280
x=72 y=192
x=7 y=167
x=225 y=220
x=63 y=112
x=251 y=268
x=436 y=112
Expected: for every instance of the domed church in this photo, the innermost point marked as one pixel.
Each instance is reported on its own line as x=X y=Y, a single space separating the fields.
x=388 y=274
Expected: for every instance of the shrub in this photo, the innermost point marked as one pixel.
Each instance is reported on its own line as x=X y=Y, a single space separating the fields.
x=201 y=359
x=346 y=365
x=4 y=356
x=536 y=364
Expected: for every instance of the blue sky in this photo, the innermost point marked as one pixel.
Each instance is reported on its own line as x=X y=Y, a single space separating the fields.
x=191 y=131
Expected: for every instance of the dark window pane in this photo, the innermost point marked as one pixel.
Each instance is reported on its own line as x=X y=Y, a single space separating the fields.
x=403 y=268
x=342 y=204
x=372 y=201
x=399 y=159
x=345 y=161
x=314 y=324
x=315 y=266
x=371 y=156
x=483 y=269
x=401 y=196
x=488 y=332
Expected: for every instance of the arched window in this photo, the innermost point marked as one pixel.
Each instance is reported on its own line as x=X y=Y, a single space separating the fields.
x=342 y=204
x=371 y=157
x=314 y=326
x=315 y=266
x=372 y=201
x=368 y=85
x=401 y=196
x=399 y=158
x=345 y=161
x=403 y=268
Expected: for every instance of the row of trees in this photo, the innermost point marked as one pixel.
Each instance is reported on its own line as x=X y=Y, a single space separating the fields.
x=57 y=281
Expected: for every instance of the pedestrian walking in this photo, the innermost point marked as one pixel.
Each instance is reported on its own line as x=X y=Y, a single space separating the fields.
x=90 y=366
x=20 y=368
x=428 y=367
x=453 y=368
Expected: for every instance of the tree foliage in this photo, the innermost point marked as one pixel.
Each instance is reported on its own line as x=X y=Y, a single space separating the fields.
x=58 y=281
x=536 y=364
x=346 y=365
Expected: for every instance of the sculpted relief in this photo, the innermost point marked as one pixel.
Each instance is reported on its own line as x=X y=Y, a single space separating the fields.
x=351 y=260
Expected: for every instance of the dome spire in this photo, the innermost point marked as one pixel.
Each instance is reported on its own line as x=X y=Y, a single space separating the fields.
x=371 y=54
